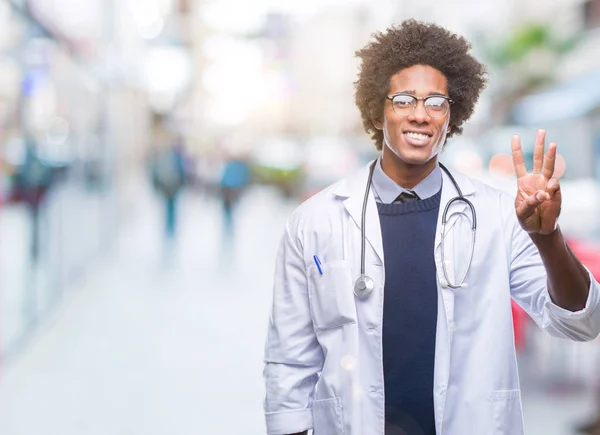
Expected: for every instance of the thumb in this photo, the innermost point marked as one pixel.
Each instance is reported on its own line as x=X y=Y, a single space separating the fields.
x=526 y=207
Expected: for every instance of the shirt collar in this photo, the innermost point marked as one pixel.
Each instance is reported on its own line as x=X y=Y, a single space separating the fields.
x=386 y=190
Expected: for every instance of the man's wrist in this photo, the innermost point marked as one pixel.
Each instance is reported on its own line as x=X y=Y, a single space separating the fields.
x=547 y=240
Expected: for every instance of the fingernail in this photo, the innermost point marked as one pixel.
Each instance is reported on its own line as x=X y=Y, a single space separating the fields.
x=540 y=196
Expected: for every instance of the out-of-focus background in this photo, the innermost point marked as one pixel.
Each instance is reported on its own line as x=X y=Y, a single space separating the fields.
x=151 y=151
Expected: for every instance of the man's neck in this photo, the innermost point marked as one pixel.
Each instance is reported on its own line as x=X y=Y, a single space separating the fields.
x=405 y=174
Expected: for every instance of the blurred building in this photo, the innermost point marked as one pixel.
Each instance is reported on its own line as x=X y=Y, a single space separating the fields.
x=298 y=68
x=79 y=83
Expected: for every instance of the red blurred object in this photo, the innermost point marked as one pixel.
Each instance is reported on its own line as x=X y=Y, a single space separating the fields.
x=519 y=318
x=588 y=253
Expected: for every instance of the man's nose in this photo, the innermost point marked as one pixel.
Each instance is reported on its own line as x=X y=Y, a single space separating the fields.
x=419 y=114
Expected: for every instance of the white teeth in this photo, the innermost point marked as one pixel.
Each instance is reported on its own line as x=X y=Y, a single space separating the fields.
x=417 y=136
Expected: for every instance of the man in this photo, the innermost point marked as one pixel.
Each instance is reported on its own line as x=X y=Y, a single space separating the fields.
x=409 y=329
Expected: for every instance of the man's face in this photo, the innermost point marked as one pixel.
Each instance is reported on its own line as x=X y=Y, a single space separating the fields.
x=415 y=139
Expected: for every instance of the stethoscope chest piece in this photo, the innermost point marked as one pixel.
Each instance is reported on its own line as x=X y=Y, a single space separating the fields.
x=363 y=286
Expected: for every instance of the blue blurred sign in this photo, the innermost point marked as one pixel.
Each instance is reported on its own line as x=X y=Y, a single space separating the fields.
x=31 y=81
x=568 y=100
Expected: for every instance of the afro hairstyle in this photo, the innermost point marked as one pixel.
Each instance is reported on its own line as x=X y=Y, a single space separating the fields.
x=417 y=43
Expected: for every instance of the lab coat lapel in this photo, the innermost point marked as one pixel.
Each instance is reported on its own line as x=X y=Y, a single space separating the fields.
x=353 y=188
x=446 y=262
x=457 y=207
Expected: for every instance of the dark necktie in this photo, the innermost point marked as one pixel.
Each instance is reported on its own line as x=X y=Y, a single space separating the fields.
x=407 y=197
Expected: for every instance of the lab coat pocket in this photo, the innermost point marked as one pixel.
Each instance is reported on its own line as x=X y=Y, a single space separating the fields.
x=506 y=412
x=331 y=296
x=327 y=417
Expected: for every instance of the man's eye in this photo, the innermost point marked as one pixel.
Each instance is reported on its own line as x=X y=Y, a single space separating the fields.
x=403 y=101
x=436 y=102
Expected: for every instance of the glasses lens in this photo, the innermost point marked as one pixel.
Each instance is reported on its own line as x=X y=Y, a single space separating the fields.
x=403 y=104
x=436 y=107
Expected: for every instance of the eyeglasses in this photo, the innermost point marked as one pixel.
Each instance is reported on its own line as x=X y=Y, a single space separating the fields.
x=436 y=106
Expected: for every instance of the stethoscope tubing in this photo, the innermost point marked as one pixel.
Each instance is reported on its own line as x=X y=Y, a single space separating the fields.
x=461 y=284
x=363 y=235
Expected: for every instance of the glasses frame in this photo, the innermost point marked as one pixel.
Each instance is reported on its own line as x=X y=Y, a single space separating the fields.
x=417 y=99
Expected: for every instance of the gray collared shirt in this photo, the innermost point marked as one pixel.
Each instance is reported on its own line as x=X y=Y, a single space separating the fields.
x=386 y=190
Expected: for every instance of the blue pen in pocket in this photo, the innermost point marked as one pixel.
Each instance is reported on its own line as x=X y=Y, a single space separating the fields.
x=318 y=263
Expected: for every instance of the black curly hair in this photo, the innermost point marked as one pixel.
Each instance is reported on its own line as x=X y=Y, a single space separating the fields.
x=417 y=43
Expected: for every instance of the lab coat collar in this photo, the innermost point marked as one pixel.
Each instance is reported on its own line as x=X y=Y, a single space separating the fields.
x=353 y=189
x=355 y=184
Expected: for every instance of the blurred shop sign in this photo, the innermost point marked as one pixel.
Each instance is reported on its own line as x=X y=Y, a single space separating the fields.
x=568 y=100
x=31 y=81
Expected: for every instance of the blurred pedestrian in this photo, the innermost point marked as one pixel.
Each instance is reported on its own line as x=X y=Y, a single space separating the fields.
x=234 y=180
x=169 y=177
x=32 y=181
x=392 y=293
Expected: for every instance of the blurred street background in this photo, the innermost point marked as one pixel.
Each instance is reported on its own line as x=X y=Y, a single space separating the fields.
x=151 y=150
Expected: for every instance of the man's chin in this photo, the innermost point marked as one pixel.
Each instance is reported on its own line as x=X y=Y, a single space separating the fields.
x=416 y=160
x=412 y=156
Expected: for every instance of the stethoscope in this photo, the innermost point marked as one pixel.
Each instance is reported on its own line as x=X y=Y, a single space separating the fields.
x=364 y=285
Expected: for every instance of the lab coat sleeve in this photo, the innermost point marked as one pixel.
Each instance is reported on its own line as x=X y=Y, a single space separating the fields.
x=293 y=356
x=528 y=282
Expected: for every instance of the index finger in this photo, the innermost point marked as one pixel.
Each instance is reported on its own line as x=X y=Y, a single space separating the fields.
x=517 y=156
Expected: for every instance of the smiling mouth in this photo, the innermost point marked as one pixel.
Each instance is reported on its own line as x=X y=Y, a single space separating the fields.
x=417 y=138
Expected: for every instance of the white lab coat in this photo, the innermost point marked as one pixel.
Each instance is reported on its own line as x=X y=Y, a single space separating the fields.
x=323 y=358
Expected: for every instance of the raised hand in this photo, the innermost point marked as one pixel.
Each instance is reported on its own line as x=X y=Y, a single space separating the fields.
x=538 y=197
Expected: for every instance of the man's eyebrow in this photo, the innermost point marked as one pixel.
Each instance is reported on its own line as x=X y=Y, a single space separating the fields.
x=413 y=92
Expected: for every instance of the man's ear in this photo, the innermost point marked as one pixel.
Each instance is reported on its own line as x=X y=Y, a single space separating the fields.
x=378 y=124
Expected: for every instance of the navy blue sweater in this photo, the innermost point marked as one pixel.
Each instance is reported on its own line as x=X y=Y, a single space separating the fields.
x=409 y=314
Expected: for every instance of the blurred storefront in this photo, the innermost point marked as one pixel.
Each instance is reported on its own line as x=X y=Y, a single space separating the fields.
x=73 y=123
